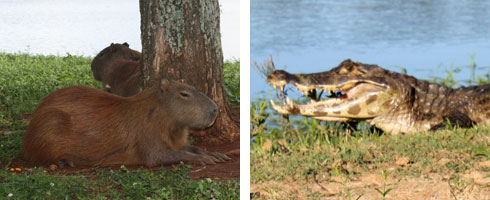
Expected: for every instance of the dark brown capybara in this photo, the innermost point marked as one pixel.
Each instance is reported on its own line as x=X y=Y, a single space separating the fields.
x=84 y=126
x=104 y=60
x=124 y=78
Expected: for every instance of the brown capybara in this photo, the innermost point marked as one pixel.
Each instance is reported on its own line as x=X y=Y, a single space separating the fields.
x=124 y=78
x=104 y=60
x=84 y=126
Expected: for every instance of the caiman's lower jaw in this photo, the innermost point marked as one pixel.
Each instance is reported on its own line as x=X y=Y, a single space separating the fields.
x=350 y=101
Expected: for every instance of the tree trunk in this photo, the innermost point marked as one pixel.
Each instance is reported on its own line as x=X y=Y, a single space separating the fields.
x=181 y=40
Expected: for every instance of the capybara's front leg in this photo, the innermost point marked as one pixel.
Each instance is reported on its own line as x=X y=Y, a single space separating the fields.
x=177 y=156
x=218 y=157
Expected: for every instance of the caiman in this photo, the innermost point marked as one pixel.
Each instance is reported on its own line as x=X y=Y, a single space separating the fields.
x=393 y=102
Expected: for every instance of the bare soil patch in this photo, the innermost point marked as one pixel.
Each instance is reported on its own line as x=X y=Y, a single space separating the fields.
x=471 y=185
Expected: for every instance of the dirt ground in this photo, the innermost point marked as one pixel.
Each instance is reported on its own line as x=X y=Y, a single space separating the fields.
x=227 y=170
x=471 y=185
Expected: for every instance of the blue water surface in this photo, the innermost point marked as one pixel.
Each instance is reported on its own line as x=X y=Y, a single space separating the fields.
x=427 y=37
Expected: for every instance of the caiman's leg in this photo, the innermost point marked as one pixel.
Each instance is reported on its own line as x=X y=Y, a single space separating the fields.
x=455 y=118
x=218 y=157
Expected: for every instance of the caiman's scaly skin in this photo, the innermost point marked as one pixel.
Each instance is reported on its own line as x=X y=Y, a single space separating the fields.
x=393 y=102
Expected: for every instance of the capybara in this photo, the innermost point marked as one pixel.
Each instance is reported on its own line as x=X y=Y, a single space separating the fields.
x=117 y=66
x=124 y=78
x=105 y=59
x=83 y=126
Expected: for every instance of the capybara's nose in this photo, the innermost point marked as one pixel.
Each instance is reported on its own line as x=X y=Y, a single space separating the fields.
x=213 y=112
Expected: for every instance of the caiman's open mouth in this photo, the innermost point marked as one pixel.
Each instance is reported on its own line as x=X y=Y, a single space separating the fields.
x=345 y=101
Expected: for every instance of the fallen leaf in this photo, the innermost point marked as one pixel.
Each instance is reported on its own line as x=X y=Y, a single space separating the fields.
x=443 y=161
x=484 y=164
x=233 y=152
x=4 y=133
x=53 y=167
x=267 y=145
x=402 y=161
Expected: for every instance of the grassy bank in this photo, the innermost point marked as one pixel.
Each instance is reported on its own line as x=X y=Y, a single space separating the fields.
x=304 y=158
x=310 y=159
x=24 y=81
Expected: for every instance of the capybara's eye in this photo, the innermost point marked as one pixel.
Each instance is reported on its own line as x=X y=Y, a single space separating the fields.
x=184 y=94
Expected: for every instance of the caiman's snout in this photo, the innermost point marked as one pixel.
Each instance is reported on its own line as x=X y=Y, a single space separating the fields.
x=280 y=78
x=333 y=96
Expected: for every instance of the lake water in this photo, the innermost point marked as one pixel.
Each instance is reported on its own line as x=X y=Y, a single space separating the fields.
x=84 y=27
x=419 y=35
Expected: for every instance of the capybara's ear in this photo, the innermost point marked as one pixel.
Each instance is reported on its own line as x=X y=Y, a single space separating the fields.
x=111 y=47
x=126 y=44
x=164 y=84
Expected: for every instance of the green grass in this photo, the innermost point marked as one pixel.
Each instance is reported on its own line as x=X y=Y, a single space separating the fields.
x=25 y=79
x=313 y=146
x=173 y=183
x=11 y=145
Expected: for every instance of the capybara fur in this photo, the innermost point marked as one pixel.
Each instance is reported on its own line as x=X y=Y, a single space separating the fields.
x=104 y=60
x=124 y=78
x=83 y=126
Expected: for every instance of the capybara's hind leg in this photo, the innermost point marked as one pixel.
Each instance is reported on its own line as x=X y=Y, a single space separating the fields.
x=44 y=136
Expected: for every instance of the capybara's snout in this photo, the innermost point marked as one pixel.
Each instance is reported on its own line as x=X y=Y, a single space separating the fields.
x=212 y=113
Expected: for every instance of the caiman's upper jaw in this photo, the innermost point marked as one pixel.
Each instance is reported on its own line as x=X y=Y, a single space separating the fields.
x=351 y=99
x=280 y=78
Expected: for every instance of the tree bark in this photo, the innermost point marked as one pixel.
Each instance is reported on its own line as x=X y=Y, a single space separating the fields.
x=181 y=40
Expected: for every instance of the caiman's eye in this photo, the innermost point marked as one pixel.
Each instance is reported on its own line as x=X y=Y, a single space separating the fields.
x=362 y=70
x=346 y=69
x=350 y=68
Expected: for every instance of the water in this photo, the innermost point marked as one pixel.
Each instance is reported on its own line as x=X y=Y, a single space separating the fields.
x=419 y=35
x=84 y=27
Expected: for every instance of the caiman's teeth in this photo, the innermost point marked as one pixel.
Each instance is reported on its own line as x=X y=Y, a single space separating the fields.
x=289 y=102
x=275 y=106
x=279 y=108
